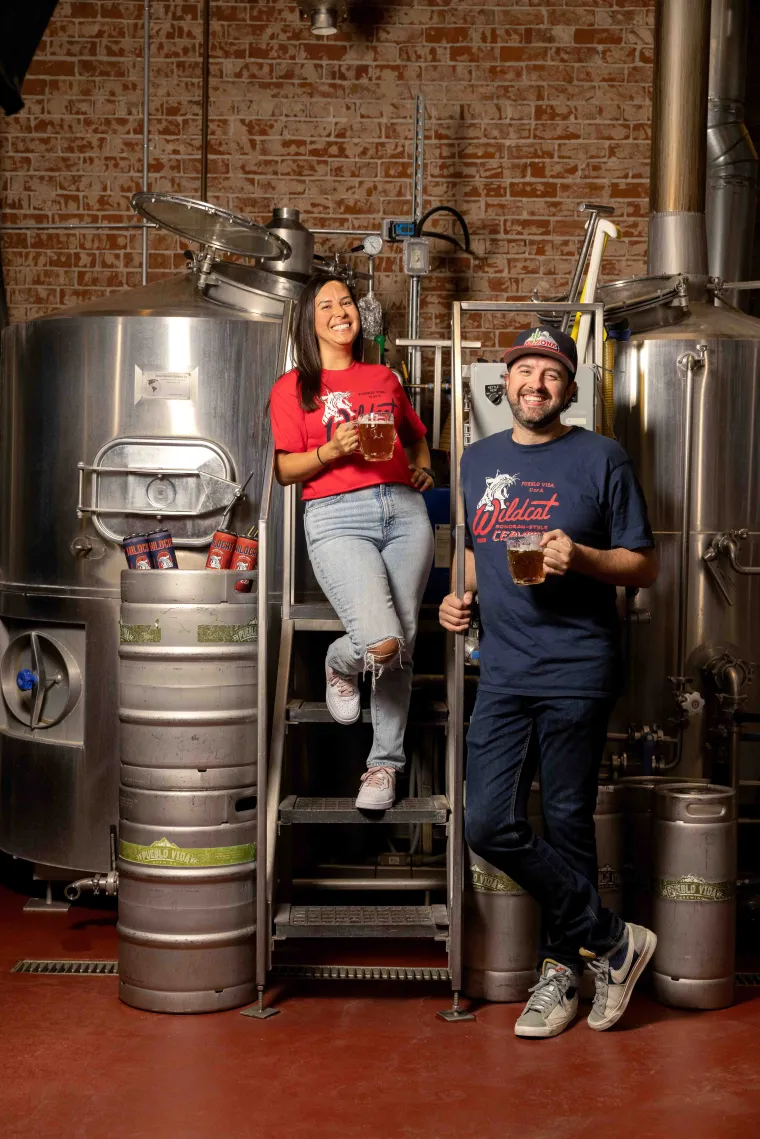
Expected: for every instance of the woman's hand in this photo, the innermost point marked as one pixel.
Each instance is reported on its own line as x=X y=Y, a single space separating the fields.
x=345 y=441
x=420 y=479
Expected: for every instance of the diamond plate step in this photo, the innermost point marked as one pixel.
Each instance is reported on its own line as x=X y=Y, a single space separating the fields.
x=299 y=809
x=362 y=921
x=315 y=712
x=361 y=973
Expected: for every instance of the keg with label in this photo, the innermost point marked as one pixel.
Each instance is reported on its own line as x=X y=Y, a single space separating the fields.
x=638 y=823
x=501 y=929
x=608 y=821
x=187 y=829
x=694 y=888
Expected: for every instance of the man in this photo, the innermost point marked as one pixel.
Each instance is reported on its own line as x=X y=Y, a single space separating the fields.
x=550 y=670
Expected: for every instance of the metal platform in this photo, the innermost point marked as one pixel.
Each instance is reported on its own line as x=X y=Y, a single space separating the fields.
x=298 y=809
x=362 y=921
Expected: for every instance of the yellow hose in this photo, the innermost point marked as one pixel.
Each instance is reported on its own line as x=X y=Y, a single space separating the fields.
x=608 y=389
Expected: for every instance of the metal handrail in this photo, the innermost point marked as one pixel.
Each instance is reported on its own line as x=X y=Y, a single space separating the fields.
x=455 y=643
x=439 y=346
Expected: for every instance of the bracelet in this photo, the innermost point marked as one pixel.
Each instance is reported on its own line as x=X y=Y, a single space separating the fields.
x=428 y=472
x=324 y=464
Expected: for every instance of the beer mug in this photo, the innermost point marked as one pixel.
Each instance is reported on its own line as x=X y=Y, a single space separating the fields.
x=526 y=558
x=377 y=436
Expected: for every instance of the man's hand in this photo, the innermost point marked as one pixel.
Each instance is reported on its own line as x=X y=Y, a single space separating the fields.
x=454 y=612
x=559 y=552
x=420 y=479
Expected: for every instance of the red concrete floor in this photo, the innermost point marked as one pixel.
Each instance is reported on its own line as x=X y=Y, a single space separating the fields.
x=348 y=1061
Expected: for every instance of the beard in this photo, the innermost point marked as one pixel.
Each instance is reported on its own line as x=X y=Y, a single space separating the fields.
x=542 y=415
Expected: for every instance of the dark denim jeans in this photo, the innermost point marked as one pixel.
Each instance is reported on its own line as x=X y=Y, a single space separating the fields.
x=510 y=738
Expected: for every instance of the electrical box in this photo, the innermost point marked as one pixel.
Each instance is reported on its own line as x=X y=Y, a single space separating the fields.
x=490 y=411
x=416 y=256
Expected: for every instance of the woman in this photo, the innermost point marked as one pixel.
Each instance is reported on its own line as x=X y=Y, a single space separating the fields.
x=367 y=529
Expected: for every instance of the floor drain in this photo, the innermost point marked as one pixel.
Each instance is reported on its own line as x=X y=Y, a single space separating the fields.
x=68 y=968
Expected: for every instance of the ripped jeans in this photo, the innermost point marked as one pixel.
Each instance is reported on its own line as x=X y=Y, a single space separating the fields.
x=371 y=551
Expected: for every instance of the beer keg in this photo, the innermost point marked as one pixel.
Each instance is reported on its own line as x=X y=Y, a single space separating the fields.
x=608 y=821
x=501 y=928
x=694 y=902
x=638 y=807
x=187 y=801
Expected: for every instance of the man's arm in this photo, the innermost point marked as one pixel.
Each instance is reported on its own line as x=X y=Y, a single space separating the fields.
x=454 y=612
x=614 y=567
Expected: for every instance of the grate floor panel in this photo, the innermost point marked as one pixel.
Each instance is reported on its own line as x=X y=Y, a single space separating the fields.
x=68 y=968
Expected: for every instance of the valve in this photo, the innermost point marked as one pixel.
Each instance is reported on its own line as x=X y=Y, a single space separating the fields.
x=691 y=702
x=26 y=680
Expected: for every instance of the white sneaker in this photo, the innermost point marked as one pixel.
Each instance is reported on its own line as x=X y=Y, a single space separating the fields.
x=342 y=697
x=378 y=789
x=617 y=973
x=553 y=1003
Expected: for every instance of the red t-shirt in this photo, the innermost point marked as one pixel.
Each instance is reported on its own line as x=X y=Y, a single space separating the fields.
x=346 y=394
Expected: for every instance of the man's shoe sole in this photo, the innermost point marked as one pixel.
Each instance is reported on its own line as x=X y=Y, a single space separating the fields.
x=528 y=1033
x=644 y=958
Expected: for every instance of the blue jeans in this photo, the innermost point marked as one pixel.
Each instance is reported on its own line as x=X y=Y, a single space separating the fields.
x=371 y=551
x=511 y=737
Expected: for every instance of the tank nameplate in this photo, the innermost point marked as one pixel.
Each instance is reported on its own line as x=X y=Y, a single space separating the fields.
x=693 y=889
x=140 y=634
x=484 y=882
x=228 y=634
x=162 y=852
x=609 y=878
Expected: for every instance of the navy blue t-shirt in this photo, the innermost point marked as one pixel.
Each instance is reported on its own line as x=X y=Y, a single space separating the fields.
x=562 y=637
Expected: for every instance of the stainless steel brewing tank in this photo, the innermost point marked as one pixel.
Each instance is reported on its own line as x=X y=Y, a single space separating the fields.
x=153 y=377
x=651 y=423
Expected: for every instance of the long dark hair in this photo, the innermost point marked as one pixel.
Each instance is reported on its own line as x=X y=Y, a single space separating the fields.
x=306 y=346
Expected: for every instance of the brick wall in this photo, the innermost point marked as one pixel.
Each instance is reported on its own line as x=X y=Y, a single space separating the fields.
x=532 y=107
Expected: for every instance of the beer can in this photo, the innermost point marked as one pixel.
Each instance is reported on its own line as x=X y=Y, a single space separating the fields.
x=162 y=550
x=221 y=550
x=246 y=553
x=137 y=551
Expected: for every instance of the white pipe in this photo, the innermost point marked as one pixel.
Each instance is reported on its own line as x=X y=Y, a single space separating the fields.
x=604 y=230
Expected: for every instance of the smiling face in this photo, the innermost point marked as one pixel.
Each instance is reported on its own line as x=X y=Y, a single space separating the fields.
x=336 y=317
x=538 y=388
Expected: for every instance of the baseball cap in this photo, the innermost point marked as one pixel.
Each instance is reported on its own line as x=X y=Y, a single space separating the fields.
x=541 y=342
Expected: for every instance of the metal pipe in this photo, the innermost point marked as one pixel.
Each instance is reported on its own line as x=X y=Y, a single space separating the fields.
x=677 y=235
x=732 y=165
x=146 y=126
x=733 y=680
x=689 y=361
x=346 y=232
x=79 y=225
x=205 y=66
x=262 y=714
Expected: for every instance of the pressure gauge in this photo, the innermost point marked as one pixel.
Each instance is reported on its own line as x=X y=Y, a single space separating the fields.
x=372 y=245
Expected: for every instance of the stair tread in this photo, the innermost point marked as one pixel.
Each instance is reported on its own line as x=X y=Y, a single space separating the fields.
x=361 y=921
x=327 y=809
x=316 y=712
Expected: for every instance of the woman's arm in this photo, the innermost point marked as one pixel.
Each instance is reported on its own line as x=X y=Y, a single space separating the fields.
x=298 y=466
x=418 y=454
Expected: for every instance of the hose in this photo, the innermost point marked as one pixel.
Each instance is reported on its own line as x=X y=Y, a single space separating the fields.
x=444 y=210
x=608 y=389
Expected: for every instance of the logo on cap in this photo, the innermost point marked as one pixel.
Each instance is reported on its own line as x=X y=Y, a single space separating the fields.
x=542 y=339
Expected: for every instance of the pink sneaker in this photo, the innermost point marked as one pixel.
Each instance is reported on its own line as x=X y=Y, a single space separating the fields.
x=378 y=789
x=342 y=697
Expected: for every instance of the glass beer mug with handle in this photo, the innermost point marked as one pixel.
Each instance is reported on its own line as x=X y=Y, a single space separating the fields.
x=526 y=558
x=377 y=436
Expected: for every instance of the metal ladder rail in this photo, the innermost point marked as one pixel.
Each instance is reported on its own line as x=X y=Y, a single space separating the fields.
x=455 y=644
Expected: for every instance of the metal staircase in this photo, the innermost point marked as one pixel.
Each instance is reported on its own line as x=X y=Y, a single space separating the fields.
x=279 y=918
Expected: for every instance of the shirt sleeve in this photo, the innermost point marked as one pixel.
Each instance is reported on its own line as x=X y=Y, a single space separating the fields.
x=411 y=427
x=628 y=520
x=288 y=419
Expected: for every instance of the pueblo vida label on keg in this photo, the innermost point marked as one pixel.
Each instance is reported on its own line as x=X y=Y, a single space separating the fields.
x=163 y=852
x=690 y=888
x=486 y=882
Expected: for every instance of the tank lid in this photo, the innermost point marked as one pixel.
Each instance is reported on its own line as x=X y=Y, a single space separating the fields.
x=210 y=225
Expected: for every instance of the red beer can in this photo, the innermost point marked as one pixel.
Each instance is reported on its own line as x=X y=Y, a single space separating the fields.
x=246 y=553
x=221 y=551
